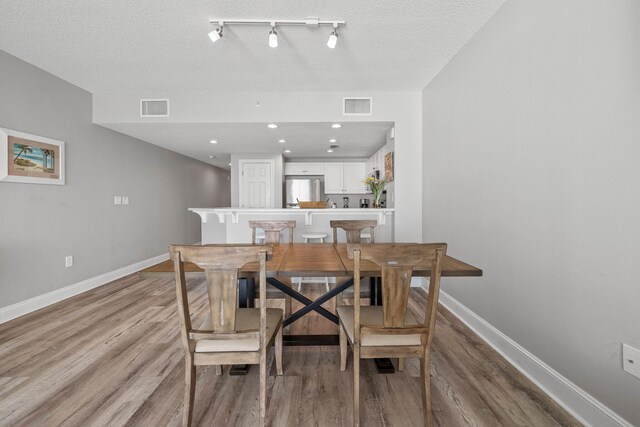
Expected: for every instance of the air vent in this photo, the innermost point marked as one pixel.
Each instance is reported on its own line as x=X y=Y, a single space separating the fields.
x=154 y=108
x=357 y=106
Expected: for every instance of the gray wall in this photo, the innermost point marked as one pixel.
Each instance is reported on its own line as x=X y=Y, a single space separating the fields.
x=532 y=171
x=41 y=224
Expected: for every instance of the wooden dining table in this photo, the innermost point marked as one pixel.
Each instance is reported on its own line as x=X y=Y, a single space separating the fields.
x=316 y=260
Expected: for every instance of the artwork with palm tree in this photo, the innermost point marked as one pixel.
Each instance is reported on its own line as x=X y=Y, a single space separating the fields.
x=30 y=158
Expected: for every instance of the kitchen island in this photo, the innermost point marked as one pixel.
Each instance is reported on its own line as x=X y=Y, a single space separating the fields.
x=231 y=225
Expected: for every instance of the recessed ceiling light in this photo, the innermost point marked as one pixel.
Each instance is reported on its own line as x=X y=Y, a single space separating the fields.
x=336 y=125
x=229 y=164
x=272 y=126
x=282 y=141
x=329 y=150
x=213 y=141
x=332 y=140
x=287 y=151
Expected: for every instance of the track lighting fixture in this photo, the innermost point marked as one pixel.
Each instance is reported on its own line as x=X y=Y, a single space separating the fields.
x=333 y=37
x=273 y=34
x=216 y=34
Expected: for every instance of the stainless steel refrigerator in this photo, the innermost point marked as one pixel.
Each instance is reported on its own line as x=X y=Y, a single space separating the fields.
x=303 y=189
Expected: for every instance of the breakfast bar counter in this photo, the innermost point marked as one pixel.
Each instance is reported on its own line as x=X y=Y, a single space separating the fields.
x=231 y=225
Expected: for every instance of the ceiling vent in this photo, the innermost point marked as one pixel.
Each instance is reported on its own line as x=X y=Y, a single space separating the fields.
x=357 y=106
x=154 y=108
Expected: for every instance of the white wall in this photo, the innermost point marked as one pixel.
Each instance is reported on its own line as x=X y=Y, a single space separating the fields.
x=41 y=224
x=403 y=108
x=532 y=172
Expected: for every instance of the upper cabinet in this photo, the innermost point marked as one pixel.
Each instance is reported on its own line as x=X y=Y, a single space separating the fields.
x=344 y=178
x=296 y=168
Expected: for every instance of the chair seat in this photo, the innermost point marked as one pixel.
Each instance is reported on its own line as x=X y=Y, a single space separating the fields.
x=373 y=316
x=246 y=319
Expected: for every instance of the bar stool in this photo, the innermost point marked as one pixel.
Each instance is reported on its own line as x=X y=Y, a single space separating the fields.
x=307 y=237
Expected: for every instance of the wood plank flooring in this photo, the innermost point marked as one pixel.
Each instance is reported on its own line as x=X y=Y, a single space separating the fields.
x=112 y=356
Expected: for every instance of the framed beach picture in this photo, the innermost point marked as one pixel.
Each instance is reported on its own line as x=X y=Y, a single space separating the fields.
x=388 y=166
x=30 y=159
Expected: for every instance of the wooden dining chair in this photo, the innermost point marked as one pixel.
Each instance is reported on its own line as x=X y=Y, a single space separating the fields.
x=391 y=330
x=353 y=229
x=272 y=230
x=229 y=335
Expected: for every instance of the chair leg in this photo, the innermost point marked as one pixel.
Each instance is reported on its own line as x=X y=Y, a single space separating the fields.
x=287 y=307
x=426 y=390
x=218 y=369
x=189 y=390
x=356 y=385
x=279 y=350
x=263 y=387
x=401 y=364
x=343 y=349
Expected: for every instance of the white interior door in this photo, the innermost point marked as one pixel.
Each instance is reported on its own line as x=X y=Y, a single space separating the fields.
x=256 y=185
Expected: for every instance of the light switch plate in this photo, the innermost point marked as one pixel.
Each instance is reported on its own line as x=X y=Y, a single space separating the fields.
x=631 y=360
x=117 y=200
x=68 y=261
x=125 y=200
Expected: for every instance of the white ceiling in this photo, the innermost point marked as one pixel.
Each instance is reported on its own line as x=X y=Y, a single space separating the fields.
x=162 y=45
x=305 y=140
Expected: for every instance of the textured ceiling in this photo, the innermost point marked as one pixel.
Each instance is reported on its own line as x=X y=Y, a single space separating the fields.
x=305 y=140
x=124 y=45
x=151 y=46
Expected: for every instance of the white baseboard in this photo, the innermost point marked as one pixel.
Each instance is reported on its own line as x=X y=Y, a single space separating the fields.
x=576 y=401
x=32 y=304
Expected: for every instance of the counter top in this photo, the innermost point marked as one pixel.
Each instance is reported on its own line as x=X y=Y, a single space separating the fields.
x=234 y=213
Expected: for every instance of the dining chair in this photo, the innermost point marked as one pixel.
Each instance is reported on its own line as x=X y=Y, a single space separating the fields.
x=391 y=330
x=272 y=232
x=353 y=229
x=228 y=335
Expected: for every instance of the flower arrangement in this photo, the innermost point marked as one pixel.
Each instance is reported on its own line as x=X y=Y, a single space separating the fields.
x=376 y=186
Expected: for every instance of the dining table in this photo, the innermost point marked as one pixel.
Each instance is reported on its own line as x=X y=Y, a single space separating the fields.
x=318 y=260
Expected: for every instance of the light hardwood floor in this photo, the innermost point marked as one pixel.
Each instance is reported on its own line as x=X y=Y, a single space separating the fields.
x=112 y=356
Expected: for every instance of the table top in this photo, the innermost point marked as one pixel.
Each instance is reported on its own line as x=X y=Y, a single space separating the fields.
x=319 y=260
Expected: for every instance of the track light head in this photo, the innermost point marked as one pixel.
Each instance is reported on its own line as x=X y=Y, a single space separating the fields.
x=216 y=34
x=273 y=37
x=333 y=39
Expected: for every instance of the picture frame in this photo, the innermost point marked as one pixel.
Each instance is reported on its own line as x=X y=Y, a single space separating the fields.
x=31 y=159
x=388 y=166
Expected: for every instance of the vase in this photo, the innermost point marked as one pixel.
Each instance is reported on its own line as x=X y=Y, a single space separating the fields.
x=376 y=199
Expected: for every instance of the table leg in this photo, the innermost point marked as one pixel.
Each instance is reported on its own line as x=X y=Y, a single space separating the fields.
x=383 y=366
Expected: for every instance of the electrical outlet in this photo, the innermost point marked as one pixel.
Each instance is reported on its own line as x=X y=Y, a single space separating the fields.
x=68 y=261
x=117 y=200
x=631 y=360
x=125 y=200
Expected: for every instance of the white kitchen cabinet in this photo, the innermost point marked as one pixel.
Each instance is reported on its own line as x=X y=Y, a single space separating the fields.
x=333 y=178
x=344 y=178
x=298 y=168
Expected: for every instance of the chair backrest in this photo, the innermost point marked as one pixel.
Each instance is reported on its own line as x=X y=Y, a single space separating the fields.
x=398 y=261
x=221 y=264
x=272 y=230
x=353 y=228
